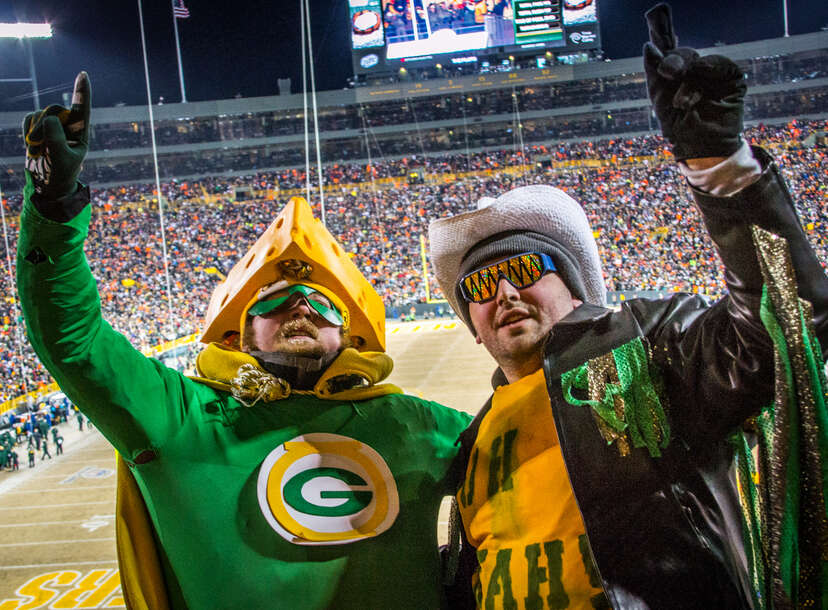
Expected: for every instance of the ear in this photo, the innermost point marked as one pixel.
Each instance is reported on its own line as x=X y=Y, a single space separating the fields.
x=477 y=339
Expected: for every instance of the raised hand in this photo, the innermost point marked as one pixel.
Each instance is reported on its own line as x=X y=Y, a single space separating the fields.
x=57 y=140
x=699 y=101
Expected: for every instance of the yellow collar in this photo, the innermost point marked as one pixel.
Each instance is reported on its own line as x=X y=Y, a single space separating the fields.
x=228 y=369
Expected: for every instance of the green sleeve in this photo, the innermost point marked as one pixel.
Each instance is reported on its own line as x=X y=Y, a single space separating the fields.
x=135 y=401
x=448 y=424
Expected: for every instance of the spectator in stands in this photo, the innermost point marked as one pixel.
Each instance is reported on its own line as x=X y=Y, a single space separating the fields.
x=635 y=201
x=326 y=473
x=630 y=467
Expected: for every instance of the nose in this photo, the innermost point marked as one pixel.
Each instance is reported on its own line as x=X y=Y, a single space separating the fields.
x=506 y=292
x=300 y=309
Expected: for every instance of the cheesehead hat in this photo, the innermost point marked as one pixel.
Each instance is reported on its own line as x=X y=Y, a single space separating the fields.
x=297 y=248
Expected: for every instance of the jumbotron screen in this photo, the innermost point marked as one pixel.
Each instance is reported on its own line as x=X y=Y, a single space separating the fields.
x=389 y=34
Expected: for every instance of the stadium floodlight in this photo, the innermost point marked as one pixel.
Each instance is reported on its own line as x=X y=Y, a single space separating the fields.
x=25 y=32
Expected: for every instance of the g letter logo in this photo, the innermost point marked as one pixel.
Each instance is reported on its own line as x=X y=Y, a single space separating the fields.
x=327 y=489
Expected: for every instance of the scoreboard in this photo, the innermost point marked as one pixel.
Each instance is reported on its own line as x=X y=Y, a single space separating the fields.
x=387 y=35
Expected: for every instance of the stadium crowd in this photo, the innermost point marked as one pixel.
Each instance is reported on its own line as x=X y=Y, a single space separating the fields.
x=649 y=235
x=438 y=139
x=459 y=106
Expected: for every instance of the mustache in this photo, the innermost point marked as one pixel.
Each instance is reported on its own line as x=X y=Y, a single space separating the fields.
x=298 y=327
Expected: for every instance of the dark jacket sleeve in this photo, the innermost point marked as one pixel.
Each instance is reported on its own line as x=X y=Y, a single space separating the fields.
x=718 y=361
x=767 y=204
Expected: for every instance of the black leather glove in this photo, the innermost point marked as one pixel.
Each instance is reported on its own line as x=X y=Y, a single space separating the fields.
x=57 y=140
x=699 y=101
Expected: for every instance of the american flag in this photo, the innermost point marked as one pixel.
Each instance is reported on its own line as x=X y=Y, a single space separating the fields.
x=180 y=11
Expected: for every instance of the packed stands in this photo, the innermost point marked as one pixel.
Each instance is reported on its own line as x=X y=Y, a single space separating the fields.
x=428 y=115
x=396 y=156
x=649 y=235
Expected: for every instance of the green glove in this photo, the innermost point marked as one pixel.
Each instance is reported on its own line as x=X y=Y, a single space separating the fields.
x=699 y=101
x=57 y=140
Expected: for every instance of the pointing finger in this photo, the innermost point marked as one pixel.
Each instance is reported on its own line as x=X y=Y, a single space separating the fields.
x=660 y=24
x=77 y=125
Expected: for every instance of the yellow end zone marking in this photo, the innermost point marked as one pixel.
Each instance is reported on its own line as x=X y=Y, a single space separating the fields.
x=98 y=588
x=403 y=328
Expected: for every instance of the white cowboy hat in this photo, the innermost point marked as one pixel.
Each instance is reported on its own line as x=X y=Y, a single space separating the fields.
x=536 y=208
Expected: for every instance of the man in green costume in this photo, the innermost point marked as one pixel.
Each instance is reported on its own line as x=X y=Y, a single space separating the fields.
x=284 y=475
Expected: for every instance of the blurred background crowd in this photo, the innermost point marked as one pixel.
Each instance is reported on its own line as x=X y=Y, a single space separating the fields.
x=649 y=234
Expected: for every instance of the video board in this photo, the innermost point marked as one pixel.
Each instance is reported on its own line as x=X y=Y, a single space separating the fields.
x=389 y=34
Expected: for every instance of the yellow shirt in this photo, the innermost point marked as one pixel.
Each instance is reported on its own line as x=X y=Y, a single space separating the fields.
x=519 y=510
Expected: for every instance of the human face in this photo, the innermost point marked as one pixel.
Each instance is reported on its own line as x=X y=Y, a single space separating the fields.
x=514 y=325
x=293 y=328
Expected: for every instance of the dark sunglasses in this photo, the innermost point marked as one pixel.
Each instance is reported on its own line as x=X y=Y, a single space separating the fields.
x=521 y=271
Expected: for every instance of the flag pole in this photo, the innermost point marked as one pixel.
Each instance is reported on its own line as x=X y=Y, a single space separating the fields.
x=305 y=101
x=315 y=116
x=178 y=52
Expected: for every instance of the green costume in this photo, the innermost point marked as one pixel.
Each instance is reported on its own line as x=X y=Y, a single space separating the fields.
x=311 y=501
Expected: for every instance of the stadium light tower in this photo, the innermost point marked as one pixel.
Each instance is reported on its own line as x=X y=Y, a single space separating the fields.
x=25 y=32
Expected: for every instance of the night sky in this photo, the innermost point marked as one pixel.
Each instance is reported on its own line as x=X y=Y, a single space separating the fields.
x=232 y=48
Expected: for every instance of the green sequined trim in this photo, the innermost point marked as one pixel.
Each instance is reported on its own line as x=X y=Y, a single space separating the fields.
x=785 y=516
x=625 y=394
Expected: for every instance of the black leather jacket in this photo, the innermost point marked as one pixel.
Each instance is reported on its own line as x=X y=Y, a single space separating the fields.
x=666 y=532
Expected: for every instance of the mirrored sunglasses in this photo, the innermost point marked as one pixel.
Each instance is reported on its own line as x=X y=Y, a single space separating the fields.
x=521 y=271
x=315 y=300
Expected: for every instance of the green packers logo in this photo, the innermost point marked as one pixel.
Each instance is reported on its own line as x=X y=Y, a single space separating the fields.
x=327 y=489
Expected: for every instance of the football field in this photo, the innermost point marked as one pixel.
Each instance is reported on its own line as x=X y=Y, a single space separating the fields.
x=57 y=533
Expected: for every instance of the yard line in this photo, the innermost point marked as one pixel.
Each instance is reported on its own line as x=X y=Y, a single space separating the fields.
x=77 y=540
x=40 y=506
x=53 y=522
x=52 y=476
x=57 y=565
x=86 y=461
x=79 y=488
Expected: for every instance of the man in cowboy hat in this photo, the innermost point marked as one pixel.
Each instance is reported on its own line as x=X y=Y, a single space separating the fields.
x=599 y=470
x=284 y=475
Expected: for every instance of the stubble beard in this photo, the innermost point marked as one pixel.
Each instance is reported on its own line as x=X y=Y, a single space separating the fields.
x=520 y=348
